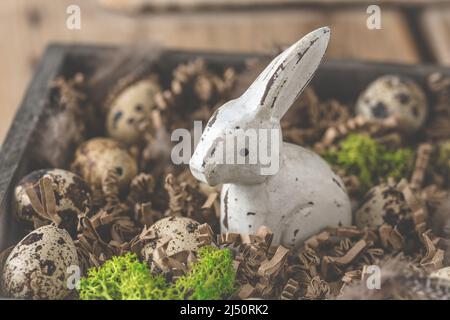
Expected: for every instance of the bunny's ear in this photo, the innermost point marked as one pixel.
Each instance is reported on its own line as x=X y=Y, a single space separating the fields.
x=279 y=85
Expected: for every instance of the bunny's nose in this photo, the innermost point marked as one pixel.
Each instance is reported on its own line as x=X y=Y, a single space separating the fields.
x=197 y=171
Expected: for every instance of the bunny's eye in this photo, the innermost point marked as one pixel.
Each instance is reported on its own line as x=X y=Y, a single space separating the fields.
x=243 y=152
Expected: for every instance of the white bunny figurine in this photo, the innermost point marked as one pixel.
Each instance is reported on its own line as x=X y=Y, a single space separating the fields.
x=304 y=195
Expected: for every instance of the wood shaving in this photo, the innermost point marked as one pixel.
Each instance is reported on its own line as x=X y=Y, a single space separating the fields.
x=110 y=189
x=290 y=290
x=186 y=200
x=145 y=214
x=269 y=269
x=45 y=204
x=381 y=130
x=194 y=84
x=317 y=289
x=92 y=249
x=308 y=118
x=206 y=234
x=141 y=187
x=422 y=160
x=246 y=291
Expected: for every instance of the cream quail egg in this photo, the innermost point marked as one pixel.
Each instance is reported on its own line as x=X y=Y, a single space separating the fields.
x=96 y=157
x=129 y=109
x=384 y=204
x=397 y=97
x=72 y=197
x=183 y=232
x=37 y=268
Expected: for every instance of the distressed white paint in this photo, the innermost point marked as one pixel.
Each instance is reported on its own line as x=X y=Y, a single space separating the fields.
x=304 y=196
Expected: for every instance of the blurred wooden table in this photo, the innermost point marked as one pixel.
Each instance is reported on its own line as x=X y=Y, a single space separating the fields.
x=435 y=23
x=27 y=26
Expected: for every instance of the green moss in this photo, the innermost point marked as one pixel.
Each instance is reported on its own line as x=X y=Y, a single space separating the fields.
x=126 y=278
x=396 y=164
x=121 y=278
x=443 y=158
x=371 y=162
x=211 y=278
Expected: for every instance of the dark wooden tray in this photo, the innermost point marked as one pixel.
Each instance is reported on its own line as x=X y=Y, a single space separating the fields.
x=342 y=80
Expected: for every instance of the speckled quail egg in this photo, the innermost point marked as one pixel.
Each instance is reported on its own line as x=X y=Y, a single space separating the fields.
x=96 y=157
x=72 y=197
x=397 y=97
x=384 y=204
x=130 y=108
x=183 y=232
x=37 y=268
x=443 y=274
